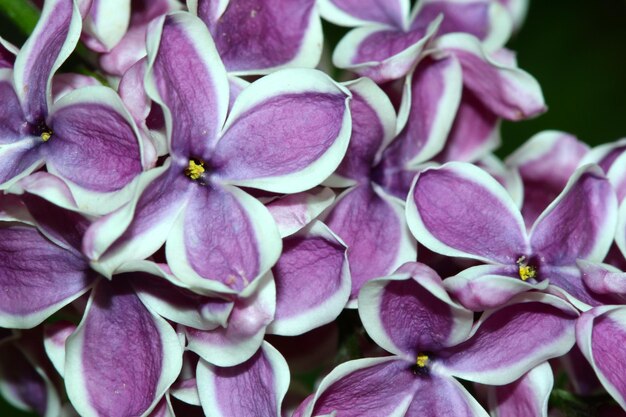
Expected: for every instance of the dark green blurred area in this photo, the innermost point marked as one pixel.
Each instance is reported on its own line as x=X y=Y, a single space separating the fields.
x=577 y=52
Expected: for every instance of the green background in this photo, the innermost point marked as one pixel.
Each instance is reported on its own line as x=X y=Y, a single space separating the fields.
x=575 y=49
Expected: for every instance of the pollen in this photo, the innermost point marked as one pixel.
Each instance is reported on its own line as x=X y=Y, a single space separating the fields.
x=46 y=135
x=195 y=169
x=525 y=271
x=422 y=360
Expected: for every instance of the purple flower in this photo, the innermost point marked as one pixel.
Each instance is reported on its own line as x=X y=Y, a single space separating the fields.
x=72 y=135
x=459 y=210
x=218 y=237
x=433 y=339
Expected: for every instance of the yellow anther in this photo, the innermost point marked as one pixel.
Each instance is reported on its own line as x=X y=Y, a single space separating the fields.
x=422 y=360
x=525 y=271
x=46 y=135
x=195 y=169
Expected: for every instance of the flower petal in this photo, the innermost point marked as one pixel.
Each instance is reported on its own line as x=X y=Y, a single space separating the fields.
x=108 y=21
x=545 y=162
x=125 y=369
x=254 y=388
x=567 y=283
x=528 y=396
x=509 y=341
x=186 y=76
x=434 y=96
x=52 y=41
x=459 y=210
x=223 y=241
x=38 y=277
x=579 y=223
x=380 y=52
x=19 y=159
x=242 y=337
x=260 y=36
x=410 y=312
x=11 y=116
x=294 y=211
x=358 y=12
x=366 y=388
x=510 y=93
x=600 y=334
x=602 y=278
x=488 y=286
x=373 y=127
x=312 y=281
x=266 y=143
x=55 y=335
x=367 y=220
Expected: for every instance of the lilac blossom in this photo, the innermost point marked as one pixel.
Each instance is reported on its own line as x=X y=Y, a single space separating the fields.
x=89 y=122
x=459 y=210
x=218 y=237
x=434 y=340
x=387 y=41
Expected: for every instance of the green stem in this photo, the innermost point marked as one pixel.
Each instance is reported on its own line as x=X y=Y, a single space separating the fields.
x=22 y=13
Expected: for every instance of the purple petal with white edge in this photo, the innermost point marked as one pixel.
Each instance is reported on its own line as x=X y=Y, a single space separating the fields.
x=260 y=36
x=475 y=133
x=223 y=241
x=55 y=335
x=449 y=206
x=373 y=127
x=444 y=396
x=517 y=10
x=186 y=391
x=13 y=209
x=312 y=281
x=434 y=96
x=254 y=388
x=370 y=387
x=38 y=277
x=180 y=305
x=600 y=335
x=509 y=341
x=64 y=83
x=186 y=76
x=11 y=115
x=602 y=278
x=567 y=283
x=120 y=370
x=506 y=90
x=410 y=312
x=545 y=162
x=508 y=177
x=52 y=41
x=294 y=211
x=266 y=143
x=26 y=386
x=87 y=124
x=528 y=396
x=483 y=19
x=488 y=286
x=108 y=21
x=580 y=223
x=380 y=52
x=18 y=159
x=244 y=333
x=140 y=228
x=355 y=12
x=371 y=224
x=163 y=408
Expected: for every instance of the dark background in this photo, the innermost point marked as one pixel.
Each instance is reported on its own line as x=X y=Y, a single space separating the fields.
x=577 y=51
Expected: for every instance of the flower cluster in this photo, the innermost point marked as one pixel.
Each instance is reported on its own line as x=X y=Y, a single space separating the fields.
x=199 y=239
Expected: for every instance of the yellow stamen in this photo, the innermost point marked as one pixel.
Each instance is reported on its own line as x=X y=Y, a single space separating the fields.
x=422 y=360
x=195 y=169
x=46 y=135
x=525 y=271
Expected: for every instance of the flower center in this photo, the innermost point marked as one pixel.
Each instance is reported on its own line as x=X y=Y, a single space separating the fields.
x=195 y=169
x=525 y=270
x=46 y=135
x=421 y=367
x=422 y=360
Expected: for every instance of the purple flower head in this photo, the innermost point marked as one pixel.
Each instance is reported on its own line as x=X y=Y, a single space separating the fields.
x=71 y=135
x=459 y=210
x=434 y=340
x=388 y=41
x=122 y=357
x=218 y=237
